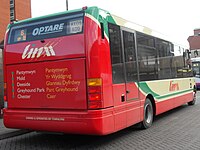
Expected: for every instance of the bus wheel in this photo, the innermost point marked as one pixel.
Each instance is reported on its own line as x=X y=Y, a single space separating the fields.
x=194 y=99
x=148 y=115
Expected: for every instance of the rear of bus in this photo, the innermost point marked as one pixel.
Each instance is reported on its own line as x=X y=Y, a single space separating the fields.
x=54 y=78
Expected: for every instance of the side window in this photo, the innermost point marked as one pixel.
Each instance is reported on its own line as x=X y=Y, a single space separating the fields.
x=130 y=56
x=182 y=64
x=178 y=67
x=164 y=48
x=165 y=61
x=171 y=64
x=116 y=53
x=147 y=57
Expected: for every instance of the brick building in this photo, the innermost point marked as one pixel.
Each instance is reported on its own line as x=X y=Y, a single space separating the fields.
x=22 y=11
x=194 y=42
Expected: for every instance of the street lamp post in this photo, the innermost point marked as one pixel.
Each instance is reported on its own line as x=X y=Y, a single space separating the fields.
x=12 y=11
x=67 y=5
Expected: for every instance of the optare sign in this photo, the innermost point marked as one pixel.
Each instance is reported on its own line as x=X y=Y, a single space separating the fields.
x=48 y=29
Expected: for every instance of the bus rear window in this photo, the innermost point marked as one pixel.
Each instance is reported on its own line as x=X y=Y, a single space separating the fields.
x=47 y=28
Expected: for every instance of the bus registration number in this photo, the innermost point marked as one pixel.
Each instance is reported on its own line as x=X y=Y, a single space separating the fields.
x=75 y=26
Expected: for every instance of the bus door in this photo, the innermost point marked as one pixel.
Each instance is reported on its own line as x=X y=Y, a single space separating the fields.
x=131 y=76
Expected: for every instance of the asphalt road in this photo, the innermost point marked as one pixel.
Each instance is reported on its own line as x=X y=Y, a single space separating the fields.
x=178 y=129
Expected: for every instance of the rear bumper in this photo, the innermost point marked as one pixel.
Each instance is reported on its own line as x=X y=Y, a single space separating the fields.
x=93 y=122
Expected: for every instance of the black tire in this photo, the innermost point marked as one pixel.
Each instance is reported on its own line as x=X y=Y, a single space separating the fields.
x=194 y=99
x=148 y=115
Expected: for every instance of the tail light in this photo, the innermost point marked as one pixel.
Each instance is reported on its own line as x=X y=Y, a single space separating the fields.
x=5 y=95
x=5 y=92
x=95 y=93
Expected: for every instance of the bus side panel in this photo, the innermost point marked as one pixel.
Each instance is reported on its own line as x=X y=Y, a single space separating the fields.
x=182 y=99
x=169 y=93
x=133 y=112
x=119 y=106
x=165 y=105
x=177 y=92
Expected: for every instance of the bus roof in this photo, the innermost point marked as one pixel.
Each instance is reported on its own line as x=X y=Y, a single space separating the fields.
x=137 y=27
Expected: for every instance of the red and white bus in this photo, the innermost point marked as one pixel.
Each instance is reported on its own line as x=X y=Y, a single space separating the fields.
x=87 y=71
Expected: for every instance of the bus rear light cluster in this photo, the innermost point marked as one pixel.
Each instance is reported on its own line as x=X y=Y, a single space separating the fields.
x=95 y=93
x=94 y=89
x=94 y=96
x=5 y=92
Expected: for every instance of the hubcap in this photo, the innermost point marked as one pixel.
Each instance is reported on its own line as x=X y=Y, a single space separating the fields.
x=148 y=113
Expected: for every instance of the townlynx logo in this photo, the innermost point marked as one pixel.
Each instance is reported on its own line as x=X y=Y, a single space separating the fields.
x=173 y=86
x=31 y=52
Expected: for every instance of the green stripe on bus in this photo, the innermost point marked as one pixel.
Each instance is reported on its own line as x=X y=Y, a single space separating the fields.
x=173 y=94
x=145 y=88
